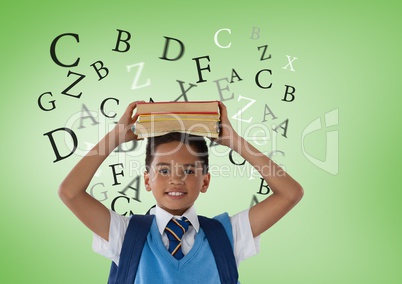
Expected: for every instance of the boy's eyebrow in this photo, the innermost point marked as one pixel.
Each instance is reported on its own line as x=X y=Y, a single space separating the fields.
x=162 y=164
x=167 y=164
x=189 y=165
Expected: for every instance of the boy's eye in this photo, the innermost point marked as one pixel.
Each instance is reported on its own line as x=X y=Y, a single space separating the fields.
x=164 y=171
x=188 y=171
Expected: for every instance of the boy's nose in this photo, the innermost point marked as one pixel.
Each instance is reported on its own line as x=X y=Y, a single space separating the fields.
x=176 y=178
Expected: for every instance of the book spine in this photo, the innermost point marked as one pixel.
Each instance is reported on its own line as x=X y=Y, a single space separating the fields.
x=173 y=102
x=180 y=112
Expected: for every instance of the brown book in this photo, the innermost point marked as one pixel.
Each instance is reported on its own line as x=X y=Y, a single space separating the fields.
x=177 y=116
x=202 y=107
x=198 y=118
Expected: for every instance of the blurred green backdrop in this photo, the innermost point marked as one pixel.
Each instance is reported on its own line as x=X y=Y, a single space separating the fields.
x=342 y=139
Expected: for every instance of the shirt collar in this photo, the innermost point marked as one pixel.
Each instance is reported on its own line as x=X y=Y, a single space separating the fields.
x=163 y=217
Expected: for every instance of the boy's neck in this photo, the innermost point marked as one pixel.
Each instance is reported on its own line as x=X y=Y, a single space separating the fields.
x=175 y=212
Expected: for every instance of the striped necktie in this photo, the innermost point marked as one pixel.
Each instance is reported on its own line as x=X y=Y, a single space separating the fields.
x=174 y=231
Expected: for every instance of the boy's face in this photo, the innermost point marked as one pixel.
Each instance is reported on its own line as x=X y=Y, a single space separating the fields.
x=175 y=177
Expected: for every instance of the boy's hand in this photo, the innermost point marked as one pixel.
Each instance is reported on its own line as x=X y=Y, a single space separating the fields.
x=123 y=129
x=227 y=135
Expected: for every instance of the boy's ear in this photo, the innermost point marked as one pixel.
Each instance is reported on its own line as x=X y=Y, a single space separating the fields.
x=205 y=182
x=146 y=181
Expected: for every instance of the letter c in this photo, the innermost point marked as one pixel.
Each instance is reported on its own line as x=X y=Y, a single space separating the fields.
x=216 y=38
x=53 y=50
x=114 y=203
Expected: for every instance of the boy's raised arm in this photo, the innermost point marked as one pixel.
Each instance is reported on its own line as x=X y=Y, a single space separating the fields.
x=72 y=190
x=286 y=191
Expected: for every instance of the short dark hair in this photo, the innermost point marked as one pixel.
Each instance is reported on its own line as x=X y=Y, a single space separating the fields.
x=197 y=143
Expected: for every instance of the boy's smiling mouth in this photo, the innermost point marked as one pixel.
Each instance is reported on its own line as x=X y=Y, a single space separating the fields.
x=175 y=193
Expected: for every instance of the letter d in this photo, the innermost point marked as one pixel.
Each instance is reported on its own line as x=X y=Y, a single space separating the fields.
x=165 y=51
x=53 y=143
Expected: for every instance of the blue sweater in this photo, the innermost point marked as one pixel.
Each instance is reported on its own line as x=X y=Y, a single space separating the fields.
x=198 y=266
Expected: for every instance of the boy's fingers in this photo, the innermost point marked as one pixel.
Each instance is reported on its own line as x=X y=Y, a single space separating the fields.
x=222 y=108
x=131 y=107
x=135 y=117
x=224 y=114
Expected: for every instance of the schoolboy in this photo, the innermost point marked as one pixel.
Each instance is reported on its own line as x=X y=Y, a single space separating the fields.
x=176 y=174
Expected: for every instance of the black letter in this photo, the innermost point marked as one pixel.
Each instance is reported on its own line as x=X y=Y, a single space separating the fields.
x=122 y=40
x=51 y=102
x=73 y=84
x=102 y=107
x=263 y=53
x=53 y=143
x=289 y=93
x=137 y=194
x=233 y=162
x=258 y=82
x=234 y=74
x=199 y=69
x=254 y=201
x=116 y=174
x=285 y=127
x=261 y=186
x=167 y=47
x=100 y=68
x=53 y=51
x=114 y=202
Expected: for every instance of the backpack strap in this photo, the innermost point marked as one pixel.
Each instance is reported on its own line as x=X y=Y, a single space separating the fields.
x=221 y=248
x=133 y=244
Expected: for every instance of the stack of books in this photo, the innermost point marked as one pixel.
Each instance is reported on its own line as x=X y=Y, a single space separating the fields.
x=158 y=118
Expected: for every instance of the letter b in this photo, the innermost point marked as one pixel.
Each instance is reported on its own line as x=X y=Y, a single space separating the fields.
x=125 y=41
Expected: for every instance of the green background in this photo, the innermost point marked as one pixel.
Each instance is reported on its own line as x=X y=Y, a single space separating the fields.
x=346 y=229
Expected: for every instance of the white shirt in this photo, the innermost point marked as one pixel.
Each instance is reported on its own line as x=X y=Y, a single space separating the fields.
x=244 y=244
